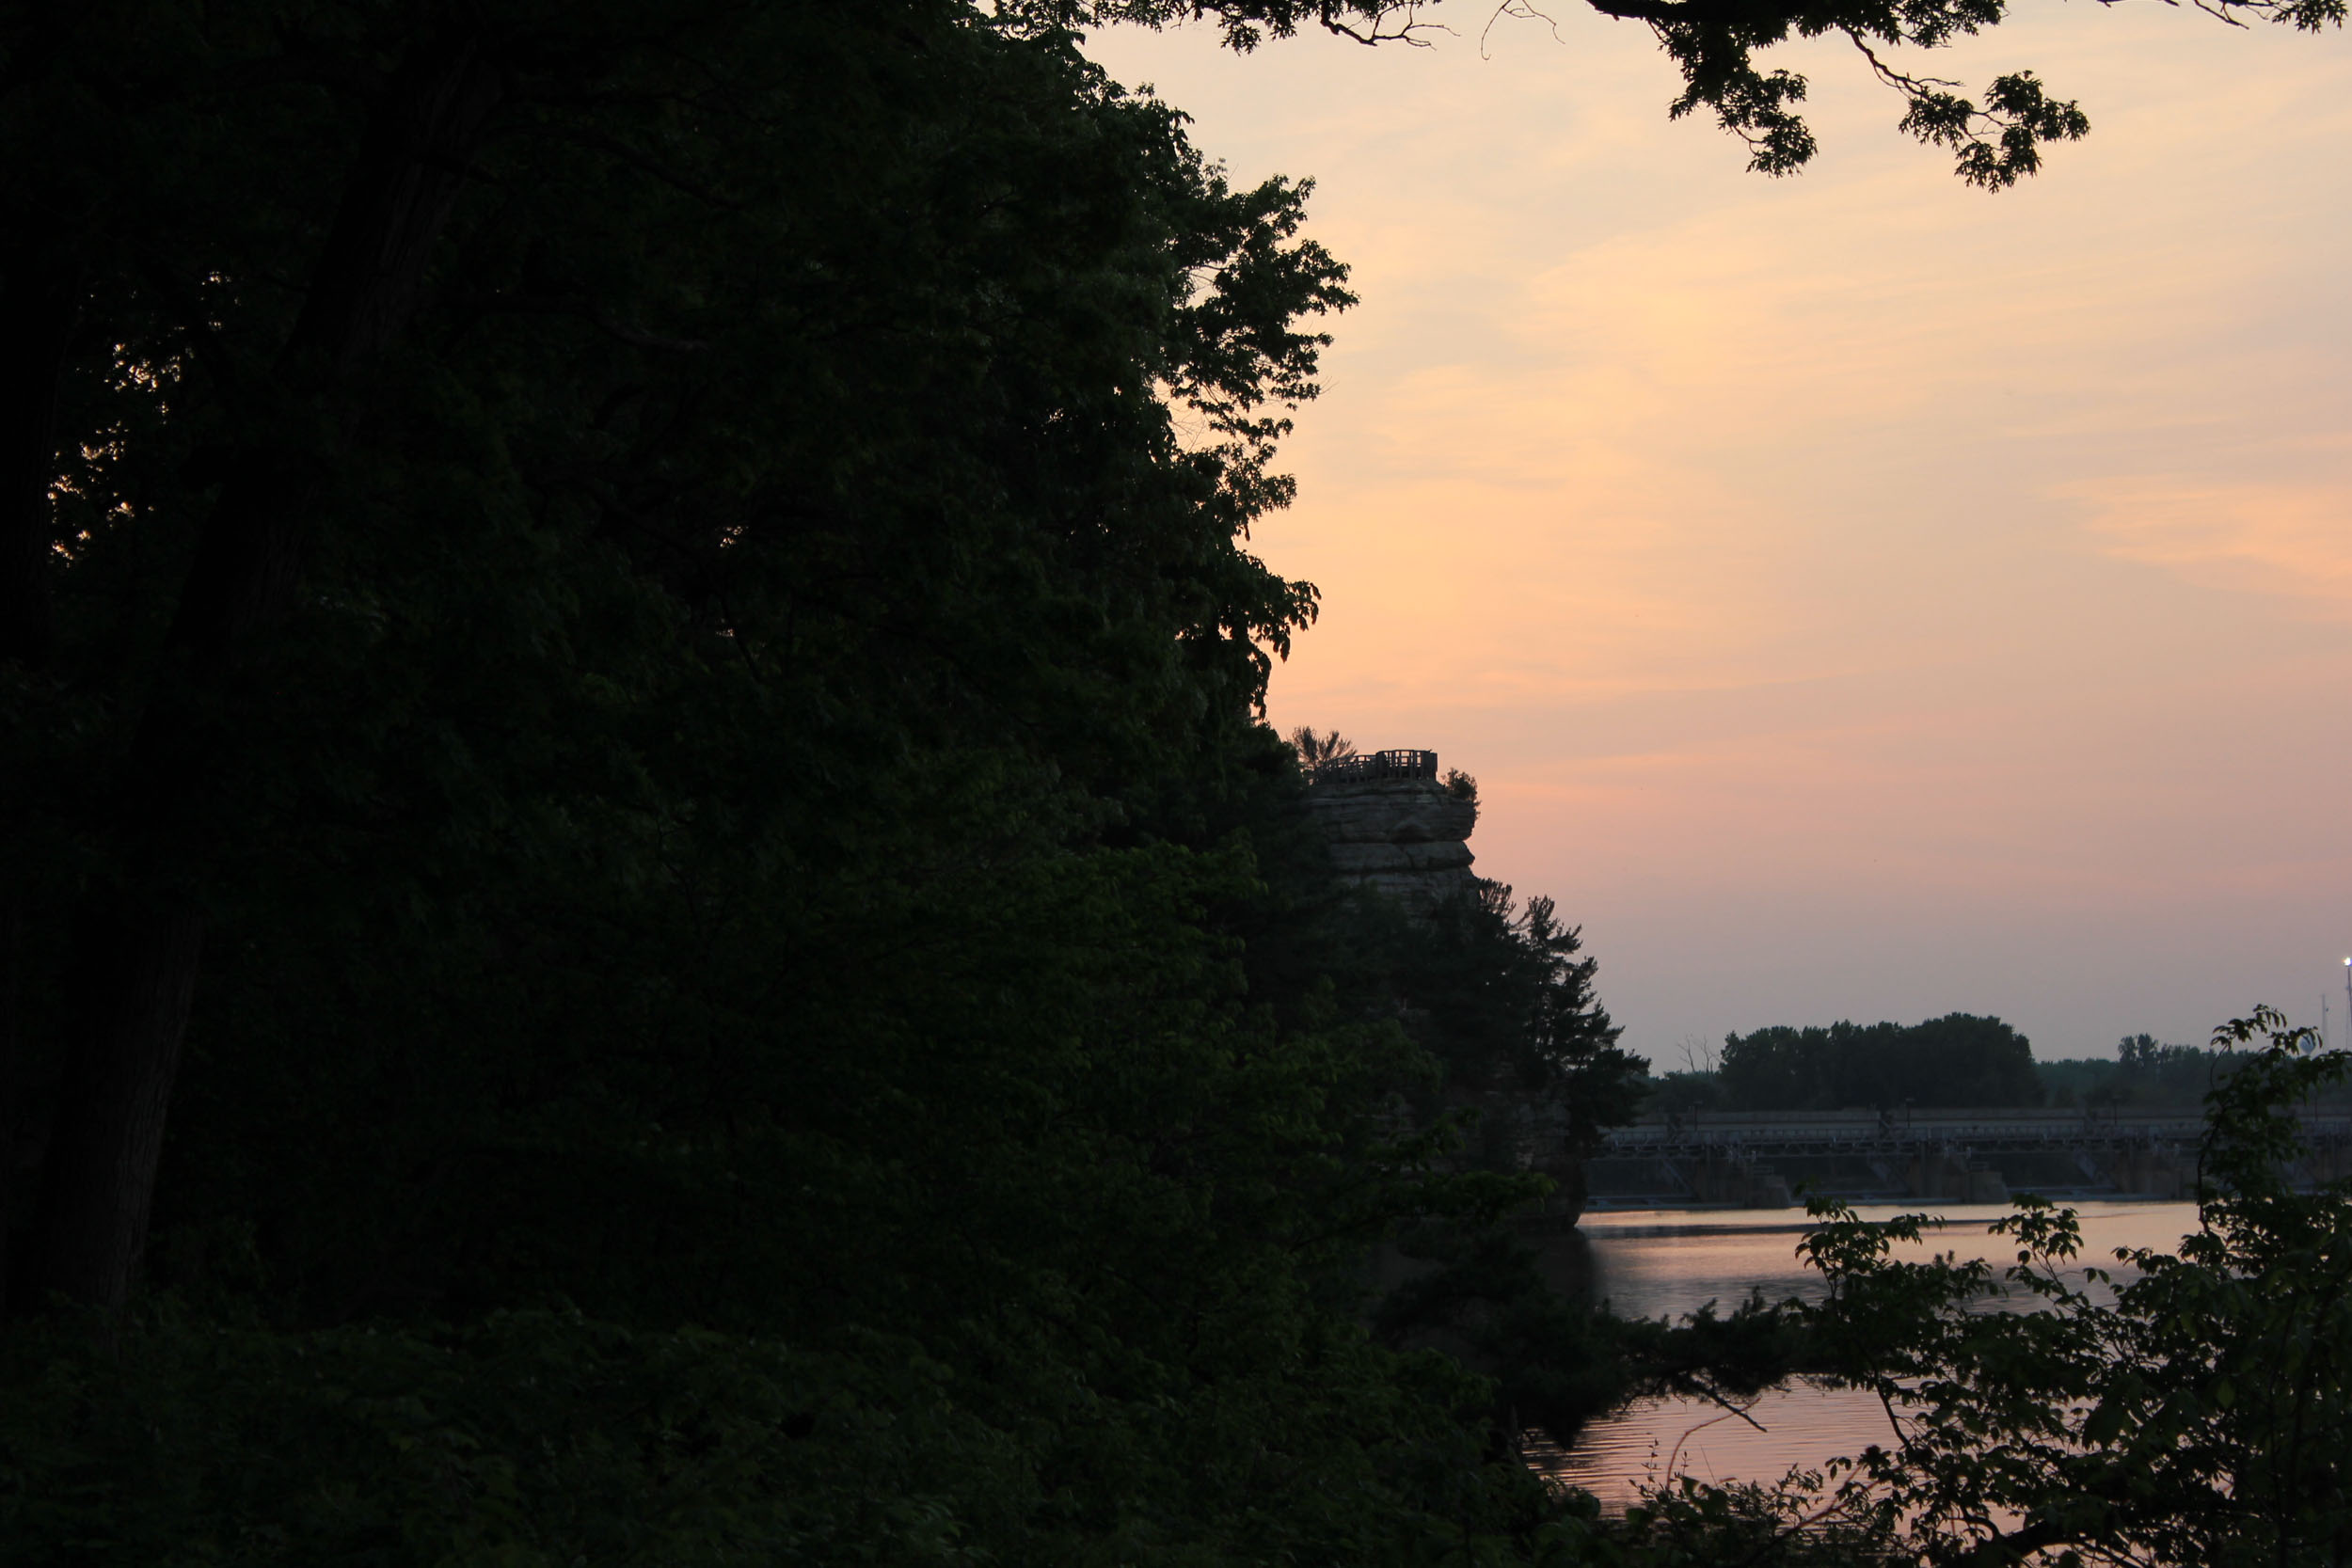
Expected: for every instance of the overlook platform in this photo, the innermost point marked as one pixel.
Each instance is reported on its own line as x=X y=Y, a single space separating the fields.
x=1392 y=827
x=1372 y=766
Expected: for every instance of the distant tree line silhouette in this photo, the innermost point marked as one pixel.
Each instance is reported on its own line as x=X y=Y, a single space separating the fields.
x=1958 y=1059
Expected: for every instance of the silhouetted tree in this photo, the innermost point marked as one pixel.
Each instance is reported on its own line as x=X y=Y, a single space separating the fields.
x=1995 y=137
x=1958 y=1059
x=1316 y=750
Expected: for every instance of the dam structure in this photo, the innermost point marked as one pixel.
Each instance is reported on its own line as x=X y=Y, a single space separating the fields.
x=1772 y=1159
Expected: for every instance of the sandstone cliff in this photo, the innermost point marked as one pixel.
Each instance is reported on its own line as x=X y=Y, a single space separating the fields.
x=1404 y=837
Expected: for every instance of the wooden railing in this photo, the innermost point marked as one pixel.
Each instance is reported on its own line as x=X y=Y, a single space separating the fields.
x=1378 y=765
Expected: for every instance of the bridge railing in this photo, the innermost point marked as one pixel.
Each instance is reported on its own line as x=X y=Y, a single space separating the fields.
x=1962 y=1125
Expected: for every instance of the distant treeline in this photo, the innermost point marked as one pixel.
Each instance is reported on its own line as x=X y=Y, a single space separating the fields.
x=1958 y=1059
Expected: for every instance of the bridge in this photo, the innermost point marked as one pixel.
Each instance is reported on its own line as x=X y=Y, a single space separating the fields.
x=1968 y=1155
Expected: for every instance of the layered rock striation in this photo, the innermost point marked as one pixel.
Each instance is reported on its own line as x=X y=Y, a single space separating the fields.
x=1404 y=837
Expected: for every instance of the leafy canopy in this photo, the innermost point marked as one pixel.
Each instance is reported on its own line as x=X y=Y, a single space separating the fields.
x=1958 y=1059
x=1996 y=136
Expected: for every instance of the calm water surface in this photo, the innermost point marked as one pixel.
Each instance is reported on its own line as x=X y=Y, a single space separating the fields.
x=1663 y=1263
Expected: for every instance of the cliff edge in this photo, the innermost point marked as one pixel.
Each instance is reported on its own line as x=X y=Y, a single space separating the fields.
x=1395 y=828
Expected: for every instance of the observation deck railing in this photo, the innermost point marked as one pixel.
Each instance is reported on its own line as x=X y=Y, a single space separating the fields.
x=1372 y=766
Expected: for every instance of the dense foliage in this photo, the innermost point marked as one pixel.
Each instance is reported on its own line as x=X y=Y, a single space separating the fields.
x=631 y=686
x=2146 y=1072
x=1953 y=1061
x=1958 y=1059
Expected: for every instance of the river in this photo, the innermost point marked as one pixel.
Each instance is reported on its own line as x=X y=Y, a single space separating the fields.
x=1661 y=1262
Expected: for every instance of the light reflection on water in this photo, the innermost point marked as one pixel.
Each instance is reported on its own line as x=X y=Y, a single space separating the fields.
x=1664 y=1263
x=1652 y=1441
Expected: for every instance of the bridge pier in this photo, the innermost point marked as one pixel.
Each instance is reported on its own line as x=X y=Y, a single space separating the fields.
x=2154 y=1171
x=1735 y=1183
x=1953 y=1176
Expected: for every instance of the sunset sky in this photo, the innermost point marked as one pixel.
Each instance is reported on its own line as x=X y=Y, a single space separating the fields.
x=1858 y=595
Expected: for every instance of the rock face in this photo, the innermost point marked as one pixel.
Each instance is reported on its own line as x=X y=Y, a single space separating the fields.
x=1403 y=837
x=1392 y=827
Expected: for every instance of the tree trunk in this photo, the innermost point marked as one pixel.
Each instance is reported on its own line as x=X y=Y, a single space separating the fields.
x=100 y=1178
x=135 y=953
x=13 y=1076
x=40 y=308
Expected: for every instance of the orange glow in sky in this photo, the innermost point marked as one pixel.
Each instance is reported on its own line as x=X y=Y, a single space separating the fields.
x=1858 y=595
